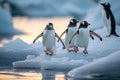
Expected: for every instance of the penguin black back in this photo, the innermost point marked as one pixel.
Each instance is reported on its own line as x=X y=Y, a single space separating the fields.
x=107 y=9
x=109 y=15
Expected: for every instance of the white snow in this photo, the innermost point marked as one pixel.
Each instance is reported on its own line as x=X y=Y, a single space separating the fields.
x=63 y=60
x=18 y=49
x=101 y=66
x=103 y=53
x=94 y=17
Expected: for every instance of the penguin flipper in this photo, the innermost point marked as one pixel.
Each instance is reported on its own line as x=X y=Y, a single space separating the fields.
x=95 y=34
x=91 y=37
x=38 y=37
x=60 y=40
x=63 y=33
x=73 y=36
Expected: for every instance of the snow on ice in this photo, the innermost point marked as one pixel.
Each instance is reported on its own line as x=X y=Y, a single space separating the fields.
x=67 y=61
x=18 y=50
x=99 y=67
x=100 y=53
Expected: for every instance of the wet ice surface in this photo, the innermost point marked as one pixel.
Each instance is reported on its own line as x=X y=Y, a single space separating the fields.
x=29 y=74
x=22 y=47
x=96 y=49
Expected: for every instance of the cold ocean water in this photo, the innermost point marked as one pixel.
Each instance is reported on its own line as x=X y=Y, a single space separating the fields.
x=18 y=48
x=33 y=27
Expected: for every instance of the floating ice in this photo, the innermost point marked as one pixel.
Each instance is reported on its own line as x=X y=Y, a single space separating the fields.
x=18 y=50
x=101 y=66
x=64 y=61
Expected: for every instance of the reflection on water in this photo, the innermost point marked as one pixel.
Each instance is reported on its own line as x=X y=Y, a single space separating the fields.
x=11 y=75
x=29 y=74
x=51 y=75
x=32 y=28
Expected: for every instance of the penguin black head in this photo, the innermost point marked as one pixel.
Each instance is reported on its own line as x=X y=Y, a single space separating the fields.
x=105 y=5
x=73 y=23
x=49 y=26
x=2 y=2
x=84 y=24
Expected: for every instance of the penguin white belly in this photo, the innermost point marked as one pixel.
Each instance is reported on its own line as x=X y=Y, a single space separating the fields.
x=107 y=22
x=49 y=39
x=83 y=37
x=70 y=33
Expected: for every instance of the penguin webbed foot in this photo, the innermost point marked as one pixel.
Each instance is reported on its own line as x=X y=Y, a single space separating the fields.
x=75 y=49
x=85 y=51
x=113 y=34
x=117 y=35
x=47 y=52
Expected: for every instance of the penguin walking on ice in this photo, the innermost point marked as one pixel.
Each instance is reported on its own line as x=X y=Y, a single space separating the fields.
x=83 y=33
x=109 y=19
x=70 y=31
x=49 y=40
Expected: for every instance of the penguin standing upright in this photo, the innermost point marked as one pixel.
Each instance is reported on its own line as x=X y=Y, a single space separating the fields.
x=109 y=19
x=49 y=40
x=83 y=34
x=70 y=31
x=5 y=4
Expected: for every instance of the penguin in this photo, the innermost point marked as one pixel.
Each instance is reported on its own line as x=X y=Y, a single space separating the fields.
x=109 y=19
x=5 y=4
x=83 y=33
x=48 y=39
x=71 y=29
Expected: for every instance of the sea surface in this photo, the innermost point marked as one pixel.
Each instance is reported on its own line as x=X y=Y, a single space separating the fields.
x=31 y=27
